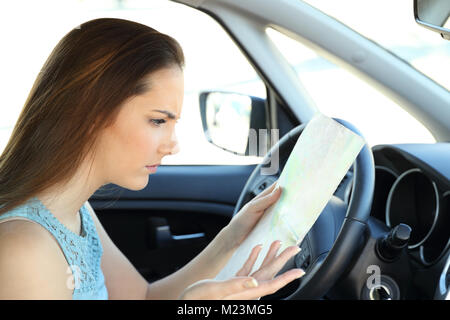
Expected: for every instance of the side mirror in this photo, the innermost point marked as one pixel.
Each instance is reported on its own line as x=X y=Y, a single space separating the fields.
x=228 y=118
x=434 y=15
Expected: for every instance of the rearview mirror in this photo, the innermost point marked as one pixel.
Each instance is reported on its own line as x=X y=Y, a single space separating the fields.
x=229 y=119
x=434 y=15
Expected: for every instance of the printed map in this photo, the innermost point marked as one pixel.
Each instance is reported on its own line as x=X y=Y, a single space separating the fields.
x=320 y=159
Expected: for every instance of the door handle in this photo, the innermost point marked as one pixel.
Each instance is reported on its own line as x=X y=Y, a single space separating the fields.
x=165 y=238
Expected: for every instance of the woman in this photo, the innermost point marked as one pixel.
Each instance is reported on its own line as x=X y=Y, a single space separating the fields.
x=103 y=110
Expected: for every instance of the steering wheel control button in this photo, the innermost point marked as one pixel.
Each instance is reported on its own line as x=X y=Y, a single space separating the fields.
x=391 y=246
x=263 y=185
x=303 y=258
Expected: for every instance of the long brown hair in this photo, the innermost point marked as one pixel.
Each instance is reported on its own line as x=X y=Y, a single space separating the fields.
x=87 y=77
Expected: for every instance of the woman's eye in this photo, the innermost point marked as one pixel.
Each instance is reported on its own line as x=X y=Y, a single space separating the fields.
x=158 y=122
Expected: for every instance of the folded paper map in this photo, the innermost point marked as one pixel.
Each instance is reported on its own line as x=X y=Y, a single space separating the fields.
x=323 y=154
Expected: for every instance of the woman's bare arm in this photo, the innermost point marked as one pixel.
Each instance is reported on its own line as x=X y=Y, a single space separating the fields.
x=32 y=265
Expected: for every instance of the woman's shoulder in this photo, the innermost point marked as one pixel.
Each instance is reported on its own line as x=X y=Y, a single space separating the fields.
x=25 y=236
x=22 y=231
x=19 y=225
x=31 y=264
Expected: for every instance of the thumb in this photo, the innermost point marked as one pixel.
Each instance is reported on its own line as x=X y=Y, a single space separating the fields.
x=238 y=284
x=221 y=289
x=218 y=289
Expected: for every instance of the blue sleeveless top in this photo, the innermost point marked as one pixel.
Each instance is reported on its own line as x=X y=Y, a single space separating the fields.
x=83 y=252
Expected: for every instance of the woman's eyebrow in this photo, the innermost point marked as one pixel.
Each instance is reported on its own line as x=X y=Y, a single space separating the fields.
x=168 y=113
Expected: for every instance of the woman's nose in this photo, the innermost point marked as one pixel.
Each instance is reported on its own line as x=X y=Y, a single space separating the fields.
x=172 y=146
x=175 y=147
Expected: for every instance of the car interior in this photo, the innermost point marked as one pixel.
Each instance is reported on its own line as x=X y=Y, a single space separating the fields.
x=384 y=234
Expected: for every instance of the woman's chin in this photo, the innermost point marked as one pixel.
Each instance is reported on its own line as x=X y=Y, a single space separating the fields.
x=137 y=185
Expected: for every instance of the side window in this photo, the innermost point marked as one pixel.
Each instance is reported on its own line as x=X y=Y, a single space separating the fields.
x=213 y=63
x=340 y=94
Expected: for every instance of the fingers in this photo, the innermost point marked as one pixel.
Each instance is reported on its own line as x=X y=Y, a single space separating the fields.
x=262 y=203
x=236 y=285
x=240 y=287
x=267 y=190
x=273 y=266
x=245 y=287
x=248 y=265
x=214 y=289
x=268 y=287
x=274 y=247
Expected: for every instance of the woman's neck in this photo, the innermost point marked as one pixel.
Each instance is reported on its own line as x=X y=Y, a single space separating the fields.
x=64 y=201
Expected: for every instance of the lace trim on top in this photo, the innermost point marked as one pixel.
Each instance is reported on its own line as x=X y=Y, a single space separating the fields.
x=83 y=252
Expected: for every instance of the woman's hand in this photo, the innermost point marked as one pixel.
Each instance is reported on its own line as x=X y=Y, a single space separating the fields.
x=246 y=286
x=245 y=220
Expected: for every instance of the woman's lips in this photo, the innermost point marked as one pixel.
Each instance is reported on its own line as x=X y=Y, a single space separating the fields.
x=151 y=169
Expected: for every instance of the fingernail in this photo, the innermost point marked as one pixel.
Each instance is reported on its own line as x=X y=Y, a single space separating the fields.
x=301 y=273
x=251 y=283
x=297 y=250
x=276 y=189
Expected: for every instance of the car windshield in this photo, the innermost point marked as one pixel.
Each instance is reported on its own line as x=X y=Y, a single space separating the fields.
x=30 y=29
x=391 y=24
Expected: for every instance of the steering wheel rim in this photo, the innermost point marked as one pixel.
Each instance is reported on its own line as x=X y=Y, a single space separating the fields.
x=328 y=267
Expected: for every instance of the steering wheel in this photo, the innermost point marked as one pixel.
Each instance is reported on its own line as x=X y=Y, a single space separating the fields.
x=337 y=235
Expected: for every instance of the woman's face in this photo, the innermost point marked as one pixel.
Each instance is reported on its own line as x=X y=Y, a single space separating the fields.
x=143 y=133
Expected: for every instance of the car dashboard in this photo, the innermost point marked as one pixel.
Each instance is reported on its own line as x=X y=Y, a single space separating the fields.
x=412 y=186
